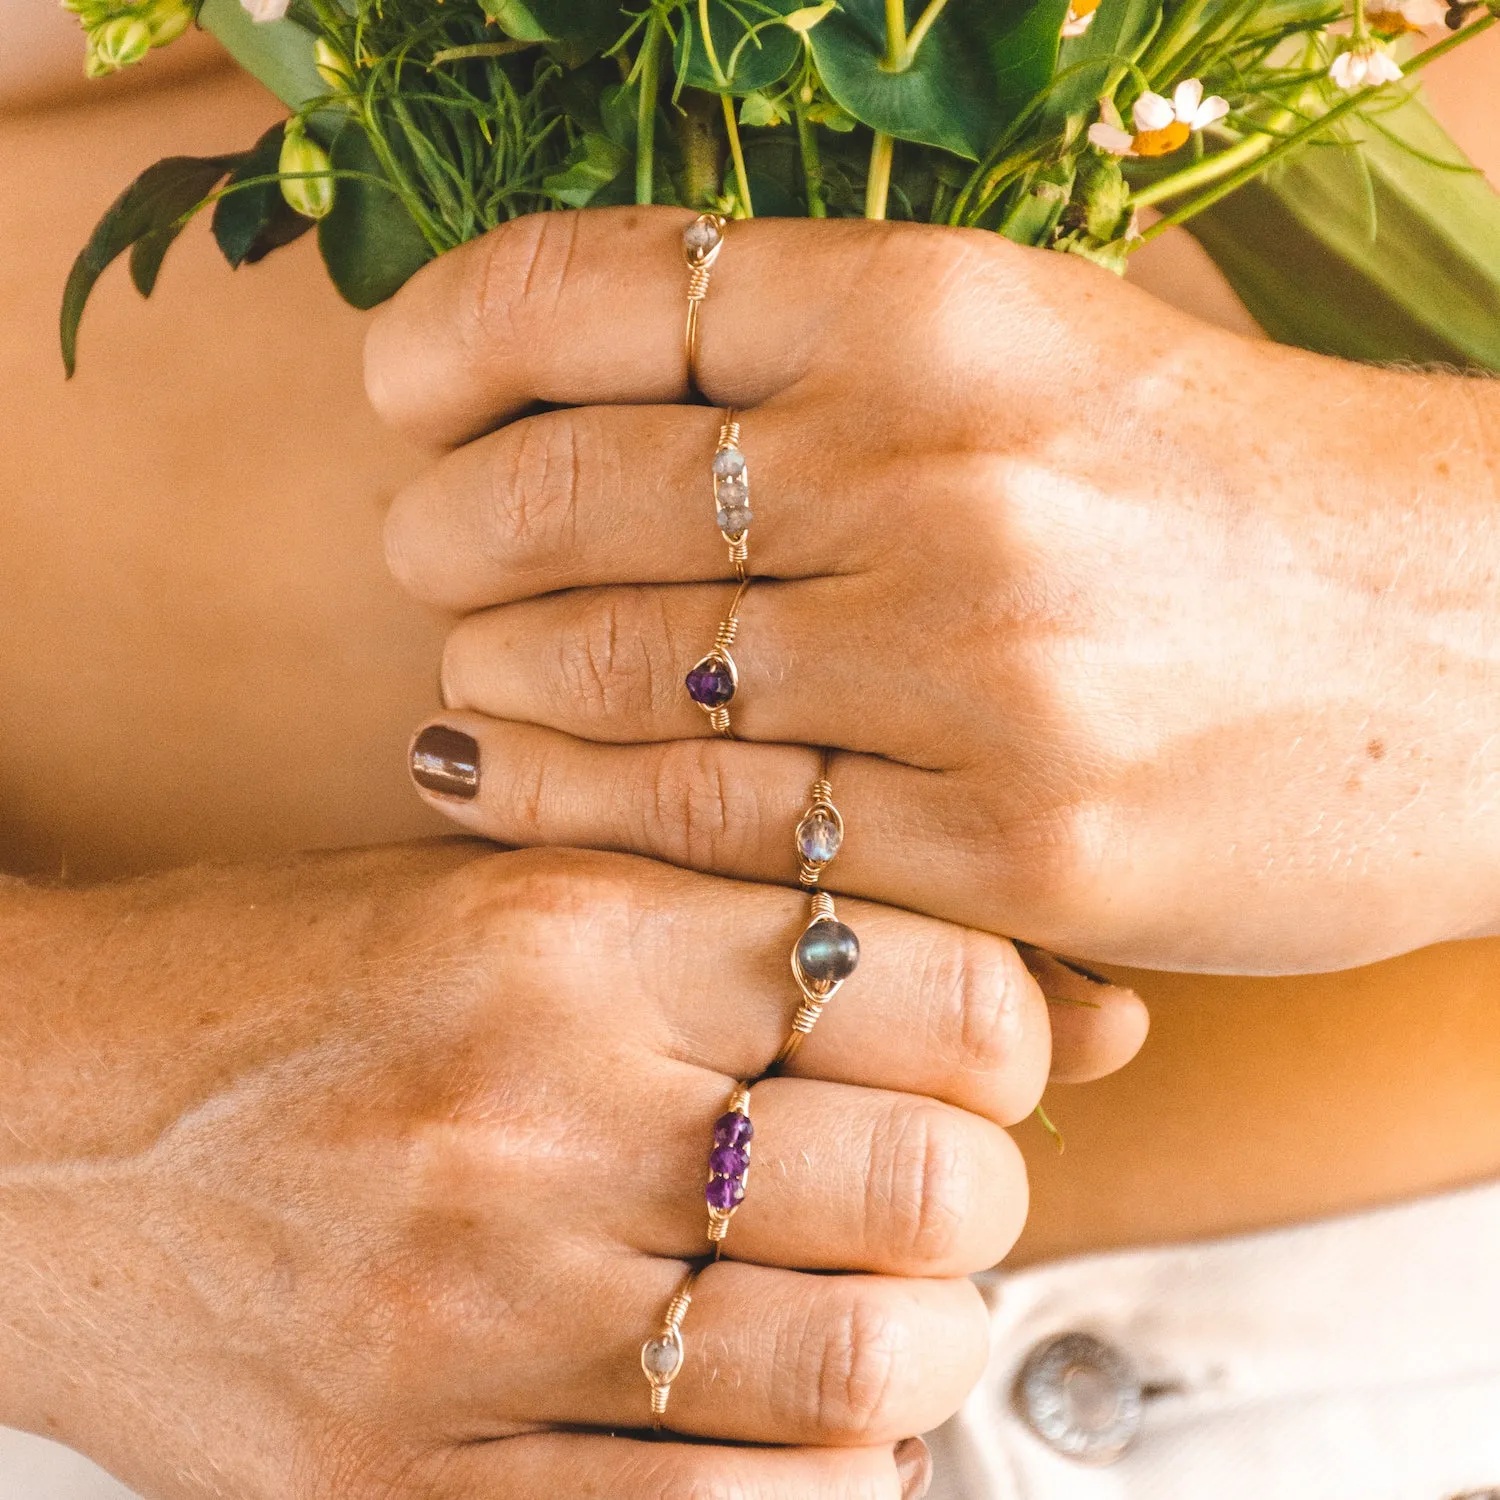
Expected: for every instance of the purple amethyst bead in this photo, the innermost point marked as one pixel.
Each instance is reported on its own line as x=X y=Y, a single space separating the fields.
x=710 y=683
x=728 y=1161
x=733 y=1129
x=724 y=1193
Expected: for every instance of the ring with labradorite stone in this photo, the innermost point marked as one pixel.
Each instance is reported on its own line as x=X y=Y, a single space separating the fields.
x=701 y=242
x=662 y=1355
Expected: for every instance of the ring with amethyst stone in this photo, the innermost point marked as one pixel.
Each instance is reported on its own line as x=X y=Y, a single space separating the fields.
x=728 y=1164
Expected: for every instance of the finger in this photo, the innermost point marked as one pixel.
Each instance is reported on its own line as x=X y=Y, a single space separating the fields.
x=603 y=495
x=774 y=1356
x=1097 y=1026
x=611 y=664
x=841 y=1179
x=472 y=340
x=719 y=806
x=931 y=1009
x=589 y=1466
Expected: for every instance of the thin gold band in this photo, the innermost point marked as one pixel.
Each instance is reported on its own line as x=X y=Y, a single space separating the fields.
x=701 y=243
x=663 y=1355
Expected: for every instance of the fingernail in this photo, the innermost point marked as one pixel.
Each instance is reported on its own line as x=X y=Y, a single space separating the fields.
x=1079 y=969
x=913 y=1468
x=446 y=761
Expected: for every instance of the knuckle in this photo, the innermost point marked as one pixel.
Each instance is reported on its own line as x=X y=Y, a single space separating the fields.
x=856 y=1385
x=930 y=1184
x=605 y=663
x=977 y=1014
x=515 y=281
x=534 y=473
x=697 y=815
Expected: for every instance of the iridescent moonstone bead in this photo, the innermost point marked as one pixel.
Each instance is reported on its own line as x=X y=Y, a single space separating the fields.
x=818 y=837
x=827 y=952
x=729 y=463
x=724 y=1193
x=733 y=1129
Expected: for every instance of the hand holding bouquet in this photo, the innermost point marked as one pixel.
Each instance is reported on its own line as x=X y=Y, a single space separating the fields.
x=1288 y=134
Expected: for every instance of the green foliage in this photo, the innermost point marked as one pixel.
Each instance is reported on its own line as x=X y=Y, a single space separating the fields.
x=369 y=242
x=252 y=218
x=144 y=219
x=1380 y=256
x=445 y=118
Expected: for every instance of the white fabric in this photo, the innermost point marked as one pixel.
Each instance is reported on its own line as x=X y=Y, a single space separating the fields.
x=1352 y=1359
x=1356 y=1359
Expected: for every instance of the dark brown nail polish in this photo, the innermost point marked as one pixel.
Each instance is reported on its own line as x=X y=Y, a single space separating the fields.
x=913 y=1468
x=446 y=761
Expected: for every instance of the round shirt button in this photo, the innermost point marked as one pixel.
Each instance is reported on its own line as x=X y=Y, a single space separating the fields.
x=1081 y=1396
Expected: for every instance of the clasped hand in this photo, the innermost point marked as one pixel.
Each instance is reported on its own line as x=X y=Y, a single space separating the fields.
x=1132 y=638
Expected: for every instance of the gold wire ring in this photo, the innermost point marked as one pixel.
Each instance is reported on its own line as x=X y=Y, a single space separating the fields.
x=701 y=242
x=820 y=835
x=663 y=1355
x=728 y=1166
x=714 y=679
x=731 y=475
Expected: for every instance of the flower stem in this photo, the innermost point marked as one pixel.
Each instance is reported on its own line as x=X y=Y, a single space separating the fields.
x=895 y=36
x=645 y=117
x=812 y=165
x=920 y=30
x=878 y=185
x=742 y=180
x=1209 y=170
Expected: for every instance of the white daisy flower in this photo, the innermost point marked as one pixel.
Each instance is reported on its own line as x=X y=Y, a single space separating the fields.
x=1365 y=66
x=1161 y=125
x=1081 y=15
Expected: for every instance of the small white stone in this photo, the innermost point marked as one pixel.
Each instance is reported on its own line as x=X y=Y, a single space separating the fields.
x=818 y=838
x=662 y=1358
x=729 y=463
x=701 y=236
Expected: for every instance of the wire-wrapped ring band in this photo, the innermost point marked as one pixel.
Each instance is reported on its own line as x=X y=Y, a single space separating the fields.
x=663 y=1354
x=701 y=242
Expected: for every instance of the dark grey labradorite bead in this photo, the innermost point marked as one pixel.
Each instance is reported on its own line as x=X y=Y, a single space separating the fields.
x=828 y=952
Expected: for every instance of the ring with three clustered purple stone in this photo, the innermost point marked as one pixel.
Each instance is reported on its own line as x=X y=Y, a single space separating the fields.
x=728 y=1165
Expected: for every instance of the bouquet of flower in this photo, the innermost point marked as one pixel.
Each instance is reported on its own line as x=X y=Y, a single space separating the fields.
x=1287 y=132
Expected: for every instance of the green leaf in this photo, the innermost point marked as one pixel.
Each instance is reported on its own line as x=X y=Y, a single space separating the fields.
x=369 y=242
x=584 y=26
x=1296 y=245
x=1089 y=65
x=147 y=216
x=595 y=162
x=250 y=222
x=1039 y=210
x=279 y=53
x=982 y=62
x=747 y=61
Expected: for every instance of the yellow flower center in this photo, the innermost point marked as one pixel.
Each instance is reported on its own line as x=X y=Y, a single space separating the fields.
x=1387 y=22
x=1160 y=142
x=1081 y=8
